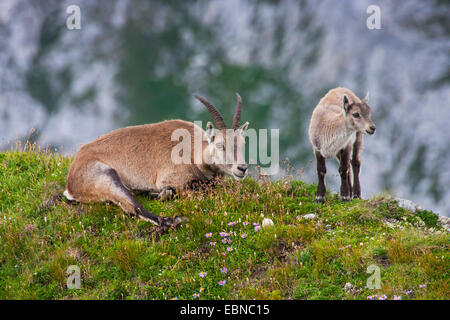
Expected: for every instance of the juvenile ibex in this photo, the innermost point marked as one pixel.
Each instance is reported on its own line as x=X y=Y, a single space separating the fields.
x=139 y=158
x=336 y=130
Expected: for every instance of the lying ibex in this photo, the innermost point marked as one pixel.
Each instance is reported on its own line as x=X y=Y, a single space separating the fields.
x=336 y=130
x=139 y=158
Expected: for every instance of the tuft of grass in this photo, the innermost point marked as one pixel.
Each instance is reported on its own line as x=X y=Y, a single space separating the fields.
x=121 y=257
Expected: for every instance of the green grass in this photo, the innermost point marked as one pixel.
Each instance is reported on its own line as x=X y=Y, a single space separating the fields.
x=123 y=258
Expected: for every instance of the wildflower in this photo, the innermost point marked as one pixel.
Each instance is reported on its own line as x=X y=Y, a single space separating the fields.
x=229 y=249
x=422 y=286
x=212 y=243
x=224 y=240
x=204 y=210
x=224 y=270
x=229 y=241
x=222 y=282
x=175 y=298
x=202 y=289
x=244 y=235
x=203 y=274
x=371 y=297
x=397 y=298
x=383 y=297
x=257 y=228
x=232 y=223
x=409 y=292
x=196 y=295
x=348 y=246
x=245 y=223
x=208 y=235
x=224 y=234
x=255 y=224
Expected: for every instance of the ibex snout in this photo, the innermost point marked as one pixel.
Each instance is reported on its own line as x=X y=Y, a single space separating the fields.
x=371 y=129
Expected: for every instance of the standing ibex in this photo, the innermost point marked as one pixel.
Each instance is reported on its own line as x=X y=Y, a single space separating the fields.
x=139 y=158
x=336 y=130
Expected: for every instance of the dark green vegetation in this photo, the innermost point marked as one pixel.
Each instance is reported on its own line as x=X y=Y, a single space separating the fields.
x=123 y=258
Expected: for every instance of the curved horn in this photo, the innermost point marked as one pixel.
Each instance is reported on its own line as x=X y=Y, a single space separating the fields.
x=215 y=114
x=237 y=113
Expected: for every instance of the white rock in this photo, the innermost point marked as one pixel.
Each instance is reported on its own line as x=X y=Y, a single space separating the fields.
x=408 y=204
x=267 y=223
x=348 y=287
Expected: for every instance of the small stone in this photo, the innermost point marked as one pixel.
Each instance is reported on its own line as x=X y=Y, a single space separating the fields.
x=267 y=223
x=309 y=216
x=348 y=287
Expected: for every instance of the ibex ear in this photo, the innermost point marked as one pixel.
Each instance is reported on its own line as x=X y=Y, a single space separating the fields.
x=210 y=131
x=242 y=129
x=346 y=103
x=366 y=98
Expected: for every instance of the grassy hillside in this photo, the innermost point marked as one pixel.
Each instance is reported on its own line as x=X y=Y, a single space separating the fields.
x=297 y=258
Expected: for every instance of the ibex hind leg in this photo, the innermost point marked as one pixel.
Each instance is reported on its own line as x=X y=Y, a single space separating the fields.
x=102 y=182
x=123 y=197
x=321 y=172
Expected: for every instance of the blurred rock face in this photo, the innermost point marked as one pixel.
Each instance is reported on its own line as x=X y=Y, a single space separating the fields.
x=136 y=62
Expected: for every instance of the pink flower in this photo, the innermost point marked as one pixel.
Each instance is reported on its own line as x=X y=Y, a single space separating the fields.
x=257 y=228
x=224 y=270
x=222 y=282
x=230 y=249
x=208 y=235
x=244 y=235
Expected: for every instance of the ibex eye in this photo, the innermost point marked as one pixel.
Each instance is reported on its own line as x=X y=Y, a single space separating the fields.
x=356 y=115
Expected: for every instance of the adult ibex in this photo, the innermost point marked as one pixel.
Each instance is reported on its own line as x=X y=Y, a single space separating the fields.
x=140 y=158
x=336 y=130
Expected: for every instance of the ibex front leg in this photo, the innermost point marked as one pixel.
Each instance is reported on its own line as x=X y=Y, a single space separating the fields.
x=356 y=165
x=321 y=172
x=344 y=168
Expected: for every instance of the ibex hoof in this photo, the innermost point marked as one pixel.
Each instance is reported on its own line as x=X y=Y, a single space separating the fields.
x=320 y=199
x=166 y=194
x=356 y=196
x=166 y=223
x=345 y=198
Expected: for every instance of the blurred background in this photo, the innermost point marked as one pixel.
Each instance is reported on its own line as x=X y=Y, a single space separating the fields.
x=136 y=62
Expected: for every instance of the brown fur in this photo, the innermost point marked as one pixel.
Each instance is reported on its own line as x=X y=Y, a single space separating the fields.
x=139 y=158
